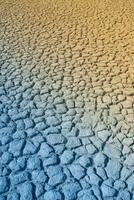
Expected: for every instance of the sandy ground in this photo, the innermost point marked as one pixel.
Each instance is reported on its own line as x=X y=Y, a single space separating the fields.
x=66 y=100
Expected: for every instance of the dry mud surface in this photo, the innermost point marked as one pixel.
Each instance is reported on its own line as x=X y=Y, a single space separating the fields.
x=66 y=100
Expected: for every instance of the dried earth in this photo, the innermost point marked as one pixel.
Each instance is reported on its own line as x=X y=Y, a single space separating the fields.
x=66 y=100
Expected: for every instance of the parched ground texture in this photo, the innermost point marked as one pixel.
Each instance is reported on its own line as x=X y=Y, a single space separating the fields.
x=66 y=100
